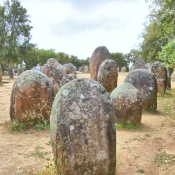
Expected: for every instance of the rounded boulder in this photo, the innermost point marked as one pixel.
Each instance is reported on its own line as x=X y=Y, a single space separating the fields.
x=127 y=103
x=145 y=82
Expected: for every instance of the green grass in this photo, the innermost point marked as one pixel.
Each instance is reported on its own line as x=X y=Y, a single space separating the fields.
x=163 y=158
x=140 y=171
x=128 y=126
x=20 y=126
x=38 y=153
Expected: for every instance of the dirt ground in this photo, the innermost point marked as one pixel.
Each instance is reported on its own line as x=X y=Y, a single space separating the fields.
x=25 y=153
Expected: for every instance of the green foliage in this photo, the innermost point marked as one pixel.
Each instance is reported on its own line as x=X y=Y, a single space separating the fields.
x=152 y=43
x=163 y=158
x=128 y=126
x=39 y=153
x=15 y=32
x=42 y=125
x=19 y=126
x=140 y=171
x=119 y=58
x=132 y=56
x=159 y=29
x=167 y=56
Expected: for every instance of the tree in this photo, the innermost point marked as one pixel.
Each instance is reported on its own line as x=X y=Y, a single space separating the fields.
x=120 y=59
x=132 y=56
x=153 y=41
x=167 y=56
x=15 y=26
x=163 y=13
x=43 y=55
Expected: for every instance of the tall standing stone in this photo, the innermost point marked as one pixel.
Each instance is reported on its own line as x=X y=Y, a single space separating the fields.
x=0 y=74
x=83 y=133
x=127 y=102
x=70 y=68
x=159 y=72
x=146 y=83
x=139 y=64
x=108 y=75
x=31 y=98
x=54 y=70
x=98 y=56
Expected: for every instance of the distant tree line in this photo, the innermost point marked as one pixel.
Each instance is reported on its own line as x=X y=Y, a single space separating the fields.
x=16 y=50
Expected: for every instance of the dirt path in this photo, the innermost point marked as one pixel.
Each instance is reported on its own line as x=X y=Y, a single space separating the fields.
x=25 y=153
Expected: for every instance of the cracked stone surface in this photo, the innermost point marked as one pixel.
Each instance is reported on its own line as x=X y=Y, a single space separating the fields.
x=108 y=75
x=146 y=84
x=98 y=56
x=83 y=133
x=54 y=70
x=32 y=97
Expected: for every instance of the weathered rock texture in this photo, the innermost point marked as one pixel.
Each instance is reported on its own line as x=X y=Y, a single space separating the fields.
x=159 y=72
x=32 y=97
x=70 y=68
x=66 y=79
x=127 y=102
x=146 y=83
x=148 y=66
x=139 y=64
x=20 y=71
x=5 y=73
x=123 y=69
x=99 y=55
x=54 y=70
x=84 y=69
x=108 y=75
x=83 y=133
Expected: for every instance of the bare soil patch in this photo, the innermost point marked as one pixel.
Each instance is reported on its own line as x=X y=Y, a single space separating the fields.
x=25 y=152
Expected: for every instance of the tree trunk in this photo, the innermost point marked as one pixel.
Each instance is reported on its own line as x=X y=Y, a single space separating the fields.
x=10 y=69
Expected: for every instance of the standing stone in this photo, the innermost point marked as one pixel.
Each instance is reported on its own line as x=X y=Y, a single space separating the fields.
x=31 y=98
x=159 y=72
x=20 y=71
x=54 y=70
x=139 y=64
x=5 y=73
x=86 y=69
x=0 y=74
x=70 y=68
x=66 y=79
x=108 y=75
x=127 y=102
x=99 y=55
x=169 y=72
x=148 y=66
x=83 y=133
x=146 y=84
x=123 y=69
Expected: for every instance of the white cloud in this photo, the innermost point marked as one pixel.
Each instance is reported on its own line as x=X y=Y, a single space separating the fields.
x=77 y=27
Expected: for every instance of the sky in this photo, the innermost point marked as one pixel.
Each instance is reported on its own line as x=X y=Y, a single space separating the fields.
x=78 y=27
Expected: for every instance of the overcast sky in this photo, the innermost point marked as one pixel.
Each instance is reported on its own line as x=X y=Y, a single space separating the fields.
x=78 y=27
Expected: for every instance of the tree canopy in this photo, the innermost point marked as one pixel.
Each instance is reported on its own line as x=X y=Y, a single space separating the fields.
x=159 y=29
x=15 y=29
